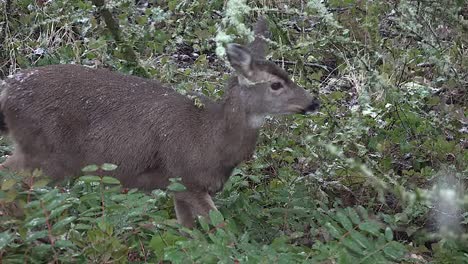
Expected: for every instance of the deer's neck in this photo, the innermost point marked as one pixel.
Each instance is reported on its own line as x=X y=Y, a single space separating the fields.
x=240 y=126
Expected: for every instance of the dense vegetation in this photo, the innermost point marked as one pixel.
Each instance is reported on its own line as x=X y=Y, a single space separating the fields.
x=377 y=176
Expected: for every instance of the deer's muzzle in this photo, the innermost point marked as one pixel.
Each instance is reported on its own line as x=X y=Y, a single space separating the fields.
x=312 y=107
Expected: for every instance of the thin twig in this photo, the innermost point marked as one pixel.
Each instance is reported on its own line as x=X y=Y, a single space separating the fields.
x=309 y=64
x=49 y=230
x=113 y=25
x=7 y=19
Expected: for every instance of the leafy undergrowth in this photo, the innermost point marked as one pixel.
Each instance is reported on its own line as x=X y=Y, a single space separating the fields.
x=377 y=176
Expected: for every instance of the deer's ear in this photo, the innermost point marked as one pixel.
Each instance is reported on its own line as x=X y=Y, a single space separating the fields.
x=240 y=59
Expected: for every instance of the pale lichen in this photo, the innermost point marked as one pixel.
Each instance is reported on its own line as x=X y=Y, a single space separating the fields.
x=235 y=12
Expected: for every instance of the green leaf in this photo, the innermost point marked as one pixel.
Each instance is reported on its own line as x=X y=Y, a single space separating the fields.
x=363 y=212
x=344 y=220
x=162 y=241
x=62 y=244
x=337 y=95
x=279 y=242
x=58 y=211
x=353 y=215
x=11 y=196
x=51 y=195
x=89 y=178
x=33 y=204
x=5 y=239
x=36 y=235
x=395 y=250
x=40 y=183
x=158 y=244
x=38 y=221
x=352 y=245
x=82 y=227
x=7 y=184
x=362 y=240
x=176 y=187
x=105 y=226
x=216 y=218
x=370 y=227
x=52 y=204
x=334 y=231
x=204 y=223
x=63 y=223
x=388 y=234
x=90 y=168
x=108 y=167
x=110 y=180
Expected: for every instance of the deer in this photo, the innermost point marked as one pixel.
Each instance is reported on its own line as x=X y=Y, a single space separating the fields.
x=61 y=118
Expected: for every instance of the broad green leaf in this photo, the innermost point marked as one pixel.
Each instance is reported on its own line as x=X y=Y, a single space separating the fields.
x=346 y=257
x=334 y=231
x=33 y=204
x=42 y=249
x=106 y=226
x=395 y=250
x=63 y=244
x=352 y=245
x=370 y=227
x=59 y=210
x=36 y=235
x=36 y=222
x=337 y=95
x=40 y=183
x=63 y=222
x=204 y=223
x=388 y=234
x=52 y=204
x=176 y=187
x=279 y=242
x=82 y=227
x=5 y=239
x=216 y=217
x=90 y=178
x=159 y=242
x=362 y=240
x=353 y=215
x=7 y=184
x=11 y=196
x=51 y=195
x=90 y=168
x=108 y=167
x=110 y=180
x=363 y=212
x=344 y=220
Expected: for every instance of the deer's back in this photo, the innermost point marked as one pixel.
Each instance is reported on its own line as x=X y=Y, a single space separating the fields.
x=64 y=117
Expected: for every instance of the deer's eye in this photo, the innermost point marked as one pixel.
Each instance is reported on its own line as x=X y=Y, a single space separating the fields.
x=276 y=86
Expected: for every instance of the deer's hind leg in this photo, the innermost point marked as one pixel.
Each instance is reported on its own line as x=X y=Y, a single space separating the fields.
x=20 y=161
x=15 y=163
x=189 y=205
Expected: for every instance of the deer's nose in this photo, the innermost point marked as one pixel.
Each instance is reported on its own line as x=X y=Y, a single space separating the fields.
x=313 y=106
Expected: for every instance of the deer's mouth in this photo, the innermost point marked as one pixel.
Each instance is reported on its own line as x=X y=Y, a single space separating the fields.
x=298 y=109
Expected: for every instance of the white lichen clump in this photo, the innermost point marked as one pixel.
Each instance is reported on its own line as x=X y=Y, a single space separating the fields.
x=447 y=195
x=221 y=39
x=235 y=11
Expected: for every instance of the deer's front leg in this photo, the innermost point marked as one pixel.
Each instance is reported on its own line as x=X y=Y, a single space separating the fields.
x=189 y=205
x=19 y=162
